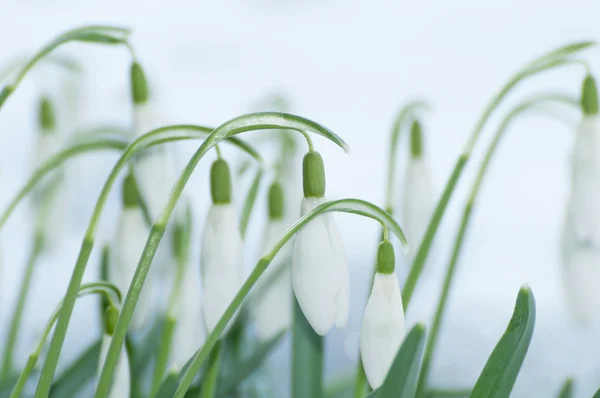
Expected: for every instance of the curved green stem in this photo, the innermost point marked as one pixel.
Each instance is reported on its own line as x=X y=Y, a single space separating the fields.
x=251 y=122
x=448 y=278
x=90 y=288
x=17 y=315
x=89 y=34
x=354 y=206
x=139 y=144
x=534 y=68
x=400 y=122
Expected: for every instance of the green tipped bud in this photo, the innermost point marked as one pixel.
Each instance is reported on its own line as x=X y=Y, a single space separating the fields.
x=386 y=259
x=275 y=201
x=589 y=96
x=416 y=140
x=313 y=175
x=220 y=182
x=139 y=84
x=47 y=119
x=111 y=316
x=130 y=192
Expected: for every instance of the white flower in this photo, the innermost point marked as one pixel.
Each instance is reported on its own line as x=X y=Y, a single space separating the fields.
x=418 y=200
x=121 y=381
x=382 y=329
x=189 y=332
x=319 y=271
x=221 y=262
x=272 y=304
x=129 y=242
x=581 y=235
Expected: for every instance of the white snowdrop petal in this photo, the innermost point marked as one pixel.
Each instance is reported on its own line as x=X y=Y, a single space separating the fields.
x=129 y=242
x=383 y=328
x=121 y=381
x=221 y=262
x=418 y=201
x=318 y=276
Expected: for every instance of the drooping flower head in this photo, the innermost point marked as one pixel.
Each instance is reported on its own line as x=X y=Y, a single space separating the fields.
x=272 y=302
x=221 y=255
x=319 y=270
x=383 y=327
x=581 y=234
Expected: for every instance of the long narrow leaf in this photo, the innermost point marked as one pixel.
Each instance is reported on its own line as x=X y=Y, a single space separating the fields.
x=567 y=389
x=78 y=374
x=502 y=368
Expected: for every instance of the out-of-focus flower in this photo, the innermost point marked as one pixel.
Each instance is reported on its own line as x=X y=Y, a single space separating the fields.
x=581 y=234
x=221 y=255
x=319 y=269
x=383 y=328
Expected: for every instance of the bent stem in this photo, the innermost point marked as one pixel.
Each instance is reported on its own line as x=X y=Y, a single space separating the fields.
x=451 y=269
x=251 y=122
x=17 y=315
x=353 y=206
x=163 y=134
x=106 y=289
x=536 y=67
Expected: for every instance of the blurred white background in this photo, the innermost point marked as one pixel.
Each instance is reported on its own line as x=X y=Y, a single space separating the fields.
x=349 y=65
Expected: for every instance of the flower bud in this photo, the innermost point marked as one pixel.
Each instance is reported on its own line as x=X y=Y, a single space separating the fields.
x=313 y=175
x=130 y=194
x=220 y=182
x=46 y=116
x=416 y=140
x=275 y=201
x=386 y=259
x=111 y=317
x=139 y=84
x=589 y=96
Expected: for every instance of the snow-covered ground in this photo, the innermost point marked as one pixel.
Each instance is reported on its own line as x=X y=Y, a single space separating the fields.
x=349 y=65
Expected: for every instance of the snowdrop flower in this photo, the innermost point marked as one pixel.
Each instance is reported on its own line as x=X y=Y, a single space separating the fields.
x=581 y=234
x=155 y=168
x=129 y=242
x=418 y=200
x=221 y=259
x=319 y=270
x=382 y=329
x=272 y=304
x=122 y=378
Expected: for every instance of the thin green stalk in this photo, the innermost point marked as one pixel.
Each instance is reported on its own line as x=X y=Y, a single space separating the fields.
x=249 y=202
x=106 y=289
x=353 y=206
x=162 y=358
x=451 y=269
x=251 y=122
x=209 y=381
x=532 y=69
x=307 y=358
x=165 y=134
x=360 y=382
x=19 y=310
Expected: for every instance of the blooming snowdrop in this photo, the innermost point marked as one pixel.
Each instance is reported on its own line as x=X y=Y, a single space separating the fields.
x=129 y=242
x=418 y=199
x=272 y=304
x=382 y=329
x=319 y=270
x=221 y=253
x=581 y=234
x=121 y=381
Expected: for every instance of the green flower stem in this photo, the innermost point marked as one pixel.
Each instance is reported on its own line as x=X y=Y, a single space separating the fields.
x=538 y=66
x=210 y=379
x=17 y=315
x=354 y=206
x=162 y=359
x=165 y=134
x=400 y=122
x=106 y=289
x=90 y=34
x=451 y=269
x=54 y=162
x=249 y=202
x=307 y=358
x=360 y=383
x=251 y=122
